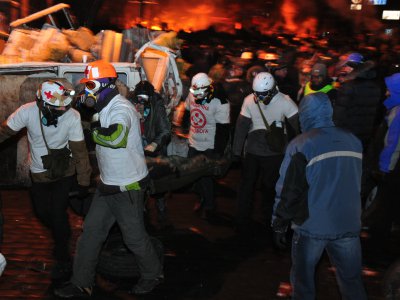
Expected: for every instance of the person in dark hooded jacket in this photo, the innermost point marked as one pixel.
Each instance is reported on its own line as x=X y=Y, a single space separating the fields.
x=389 y=167
x=318 y=192
x=156 y=132
x=358 y=99
x=155 y=125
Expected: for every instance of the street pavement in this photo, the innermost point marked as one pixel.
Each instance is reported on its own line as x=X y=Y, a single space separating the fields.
x=201 y=260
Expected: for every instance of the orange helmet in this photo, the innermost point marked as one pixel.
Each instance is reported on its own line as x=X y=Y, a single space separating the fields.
x=99 y=69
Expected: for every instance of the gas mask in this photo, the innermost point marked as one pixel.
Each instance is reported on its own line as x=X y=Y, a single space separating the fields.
x=265 y=97
x=50 y=114
x=201 y=88
x=202 y=95
x=91 y=96
x=142 y=105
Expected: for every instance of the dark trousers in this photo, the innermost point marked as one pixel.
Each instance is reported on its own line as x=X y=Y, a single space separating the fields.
x=50 y=202
x=254 y=166
x=127 y=210
x=388 y=190
x=205 y=186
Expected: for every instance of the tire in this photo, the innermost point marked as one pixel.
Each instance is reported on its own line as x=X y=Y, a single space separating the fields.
x=391 y=282
x=117 y=261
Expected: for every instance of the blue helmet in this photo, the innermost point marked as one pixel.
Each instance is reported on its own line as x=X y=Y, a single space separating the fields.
x=355 y=59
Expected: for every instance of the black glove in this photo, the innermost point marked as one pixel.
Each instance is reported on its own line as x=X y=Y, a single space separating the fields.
x=83 y=192
x=280 y=228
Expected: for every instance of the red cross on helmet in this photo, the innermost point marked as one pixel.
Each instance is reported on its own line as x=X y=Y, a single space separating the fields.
x=55 y=93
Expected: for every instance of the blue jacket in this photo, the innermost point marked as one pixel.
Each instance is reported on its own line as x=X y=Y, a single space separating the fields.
x=391 y=150
x=320 y=176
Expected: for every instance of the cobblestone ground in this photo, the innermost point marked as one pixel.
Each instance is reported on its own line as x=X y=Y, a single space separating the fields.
x=202 y=261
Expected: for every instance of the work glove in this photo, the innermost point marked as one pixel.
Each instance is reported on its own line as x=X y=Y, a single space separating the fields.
x=83 y=192
x=280 y=228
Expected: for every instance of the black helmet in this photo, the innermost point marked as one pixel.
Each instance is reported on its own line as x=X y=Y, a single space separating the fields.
x=143 y=91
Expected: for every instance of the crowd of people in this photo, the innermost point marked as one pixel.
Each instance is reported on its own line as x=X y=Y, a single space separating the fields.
x=303 y=119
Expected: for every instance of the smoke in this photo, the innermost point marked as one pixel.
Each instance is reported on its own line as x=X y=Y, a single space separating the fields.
x=308 y=16
x=196 y=15
x=300 y=17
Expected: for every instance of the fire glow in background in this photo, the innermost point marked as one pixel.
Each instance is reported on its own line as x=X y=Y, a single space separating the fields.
x=289 y=15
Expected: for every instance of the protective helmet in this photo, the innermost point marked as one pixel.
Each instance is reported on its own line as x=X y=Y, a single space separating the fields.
x=143 y=91
x=54 y=93
x=100 y=77
x=354 y=59
x=264 y=87
x=201 y=86
x=263 y=82
x=53 y=100
x=98 y=69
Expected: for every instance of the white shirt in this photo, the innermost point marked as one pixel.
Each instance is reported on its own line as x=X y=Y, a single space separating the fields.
x=121 y=166
x=280 y=107
x=69 y=128
x=203 y=120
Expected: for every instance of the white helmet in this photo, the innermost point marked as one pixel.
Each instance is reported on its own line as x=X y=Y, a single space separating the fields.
x=263 y=82
x=201 y=85
x=264 y=87
x=55 y=93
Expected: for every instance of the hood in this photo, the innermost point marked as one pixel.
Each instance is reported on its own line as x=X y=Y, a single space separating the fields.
x=393 y=85
x=315 y=111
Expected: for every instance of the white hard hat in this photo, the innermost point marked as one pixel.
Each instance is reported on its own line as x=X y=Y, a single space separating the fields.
x=200 y=85
x=263 y=82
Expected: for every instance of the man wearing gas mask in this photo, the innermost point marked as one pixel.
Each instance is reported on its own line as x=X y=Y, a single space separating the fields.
x=265 y=105
x=156 y=132
x=120 y=192
x=53 y=126
x=208 y=134
x=156 y=128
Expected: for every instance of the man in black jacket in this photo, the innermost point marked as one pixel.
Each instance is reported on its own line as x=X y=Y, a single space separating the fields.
x=358 y=99
x=155 y=129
